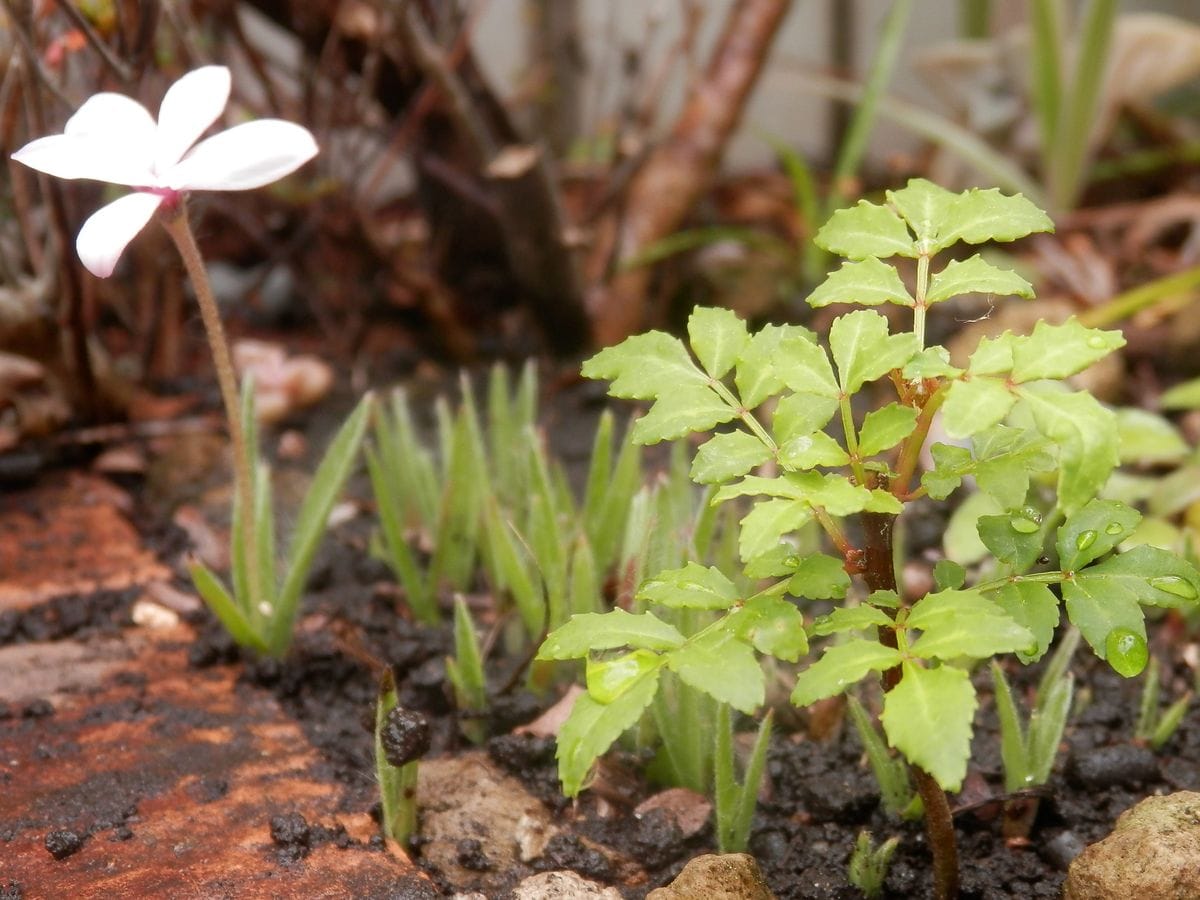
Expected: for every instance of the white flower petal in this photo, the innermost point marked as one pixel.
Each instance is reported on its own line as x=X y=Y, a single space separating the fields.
x=104 y=236
x=246 y=156
x=190 y=106
x=80 y=156
x=113 y=116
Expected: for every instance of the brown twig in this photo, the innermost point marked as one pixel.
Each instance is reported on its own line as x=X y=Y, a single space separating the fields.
x=119 y=67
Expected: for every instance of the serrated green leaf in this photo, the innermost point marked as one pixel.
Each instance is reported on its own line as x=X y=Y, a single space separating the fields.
x=864 y=350
x=867 y=282
x=1149 y=439
x=948 y=575
x=773 y=625
x=592 y=727
x=853 y=618
x=932 y=362
x=865 y=230
x=975 y=276
x=1093 y=531
x=680 y=412
x=964 y=623
x=692 y=587
x=1059 y=351
x=1033 y=605
x=718 y=338
x=809 y=450
x=884 y=599
x=1151 y=575
x=1086 y=434
x=841 y=666
x=927 y=717
x=882 y=501
x=923 y=205
x=607 y=631
x=804 y=367
x=723 y=667
x=1004 y=459
x=777 y=562
x=819 y=577
x=976 y=216
x=757 y=377
x=643 y=366
x=884 y=428
x=1097 y=609
x=608 y=679
x=728 y=455
x=1013 y=538
x=993 y=356
x=975 y=404
x=797 y=415
x=950 y=464
x=1185 y=395
x=766 y=524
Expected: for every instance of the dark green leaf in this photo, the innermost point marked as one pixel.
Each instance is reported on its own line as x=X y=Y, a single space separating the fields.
x=592 y=727
x=819 y=577
x=841 y=666
x=723 y=667
x=1033 y=605
x=1093 y=531
x=1015 y=539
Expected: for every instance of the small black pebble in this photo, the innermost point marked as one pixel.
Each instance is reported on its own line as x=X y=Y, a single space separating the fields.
x=1061 y=849
x=405 y=736
x=1122 y=765
x=471 y=855
x=375 y=842
x=38 y=709
x=290 y=830
x=62 y=844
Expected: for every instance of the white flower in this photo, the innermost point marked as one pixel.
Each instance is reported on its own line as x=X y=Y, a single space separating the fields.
x=114 y=138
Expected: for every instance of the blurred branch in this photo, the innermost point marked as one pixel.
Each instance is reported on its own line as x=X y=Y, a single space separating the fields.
x=119 y=67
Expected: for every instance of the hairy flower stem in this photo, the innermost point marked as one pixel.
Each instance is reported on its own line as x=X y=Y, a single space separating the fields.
x=879 y=571
x=175 y=221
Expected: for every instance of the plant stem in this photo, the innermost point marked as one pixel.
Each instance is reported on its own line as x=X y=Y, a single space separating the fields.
x=919 y=307
x=880 y=574
x=175 y=221
x=910 y=451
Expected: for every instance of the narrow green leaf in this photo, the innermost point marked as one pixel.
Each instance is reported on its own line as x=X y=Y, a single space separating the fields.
x=1185 y=395
x=1093 y=531
x=728 y=455
x=884 y=428
x=400 y=557
x=692 y=587
x=976 y=276
x=868 y=282
x=1046 y=726
x=1059 y=351
x=592 y=727
x=608 y=631
x=470 y=682
x=890 y=772
x=863 y=349
x=756 y=767
x=718 y=338
x=1149 y=439
x=927 y=717
x=865 y=230
x=721 y=666
x=841 y=666
x=645 y=365
x=1013 y=750
x=217 y=596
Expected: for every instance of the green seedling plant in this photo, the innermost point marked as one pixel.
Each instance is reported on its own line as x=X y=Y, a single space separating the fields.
x=868 y=866
x=401 y=739
x=1015 y=414
x=466 y=675
x=895 y=785
x=734 y=802
x=1028 y=751
x=1154 y=727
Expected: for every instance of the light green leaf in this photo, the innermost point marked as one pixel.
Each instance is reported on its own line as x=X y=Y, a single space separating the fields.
x=592 y=727
x=923 y=205
x=1034 y=606
x=1005 y=458
x=607 y=631
x=1015 y=539
x=723 y=667
x=964 y=623
x=797 y=415
x=885 y=428
x=961 y=538
x=809 y=450
x=868 y=282
x=766 y=524
x=975 y=276
x=950 y=464
x=932 y=362
x=1086 y=434
x=884 y=599
x=1093 y=531
x=1151 y=575
x=851 y=618
x=993 y=356
x=865 y=230
x=977 y=216
x=692 y=587
x=217 y=596
x=608 y=679
x=1148 y=439
x=643 y=366
x=718 y=338
x=882 y=501
x=728 y=455
x=975 y=404
x=948 y=575
x=927 y=717
x=863 y=349
x=679 y=412
x=819 y=577
x=804 y=367
x=841 y=666
x=757 y=377
x=773 y=625
x=1059 y=351
x=1185 y=395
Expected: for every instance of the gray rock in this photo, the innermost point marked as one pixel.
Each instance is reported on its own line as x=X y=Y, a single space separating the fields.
x=1153 y=851
x=731 y=876
x=562 y=886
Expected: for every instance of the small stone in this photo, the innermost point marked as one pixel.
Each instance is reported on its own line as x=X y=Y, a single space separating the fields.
x=405 y=736
x=63 y=843
x=1153 y=851
x=562 y=886
x=1060 y=851
x=1122 y=765
x=729 y=876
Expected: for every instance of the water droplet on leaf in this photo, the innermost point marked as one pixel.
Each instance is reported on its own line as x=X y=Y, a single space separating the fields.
x=1114 y=528
x=1173 y=584
x=1097 y=342
x=1085 y=539
x=1126 y=651
x=1023 y=525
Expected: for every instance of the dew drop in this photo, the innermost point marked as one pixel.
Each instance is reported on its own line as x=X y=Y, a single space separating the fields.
x=1096 y=341
x=1114 y=528
x=792 y=562
x=1085 y=539
x=1126 y=651
x=1023 y=525
x=1173 y=584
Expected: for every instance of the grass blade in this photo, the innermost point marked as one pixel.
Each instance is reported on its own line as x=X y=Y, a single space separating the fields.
x=1013 y=750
